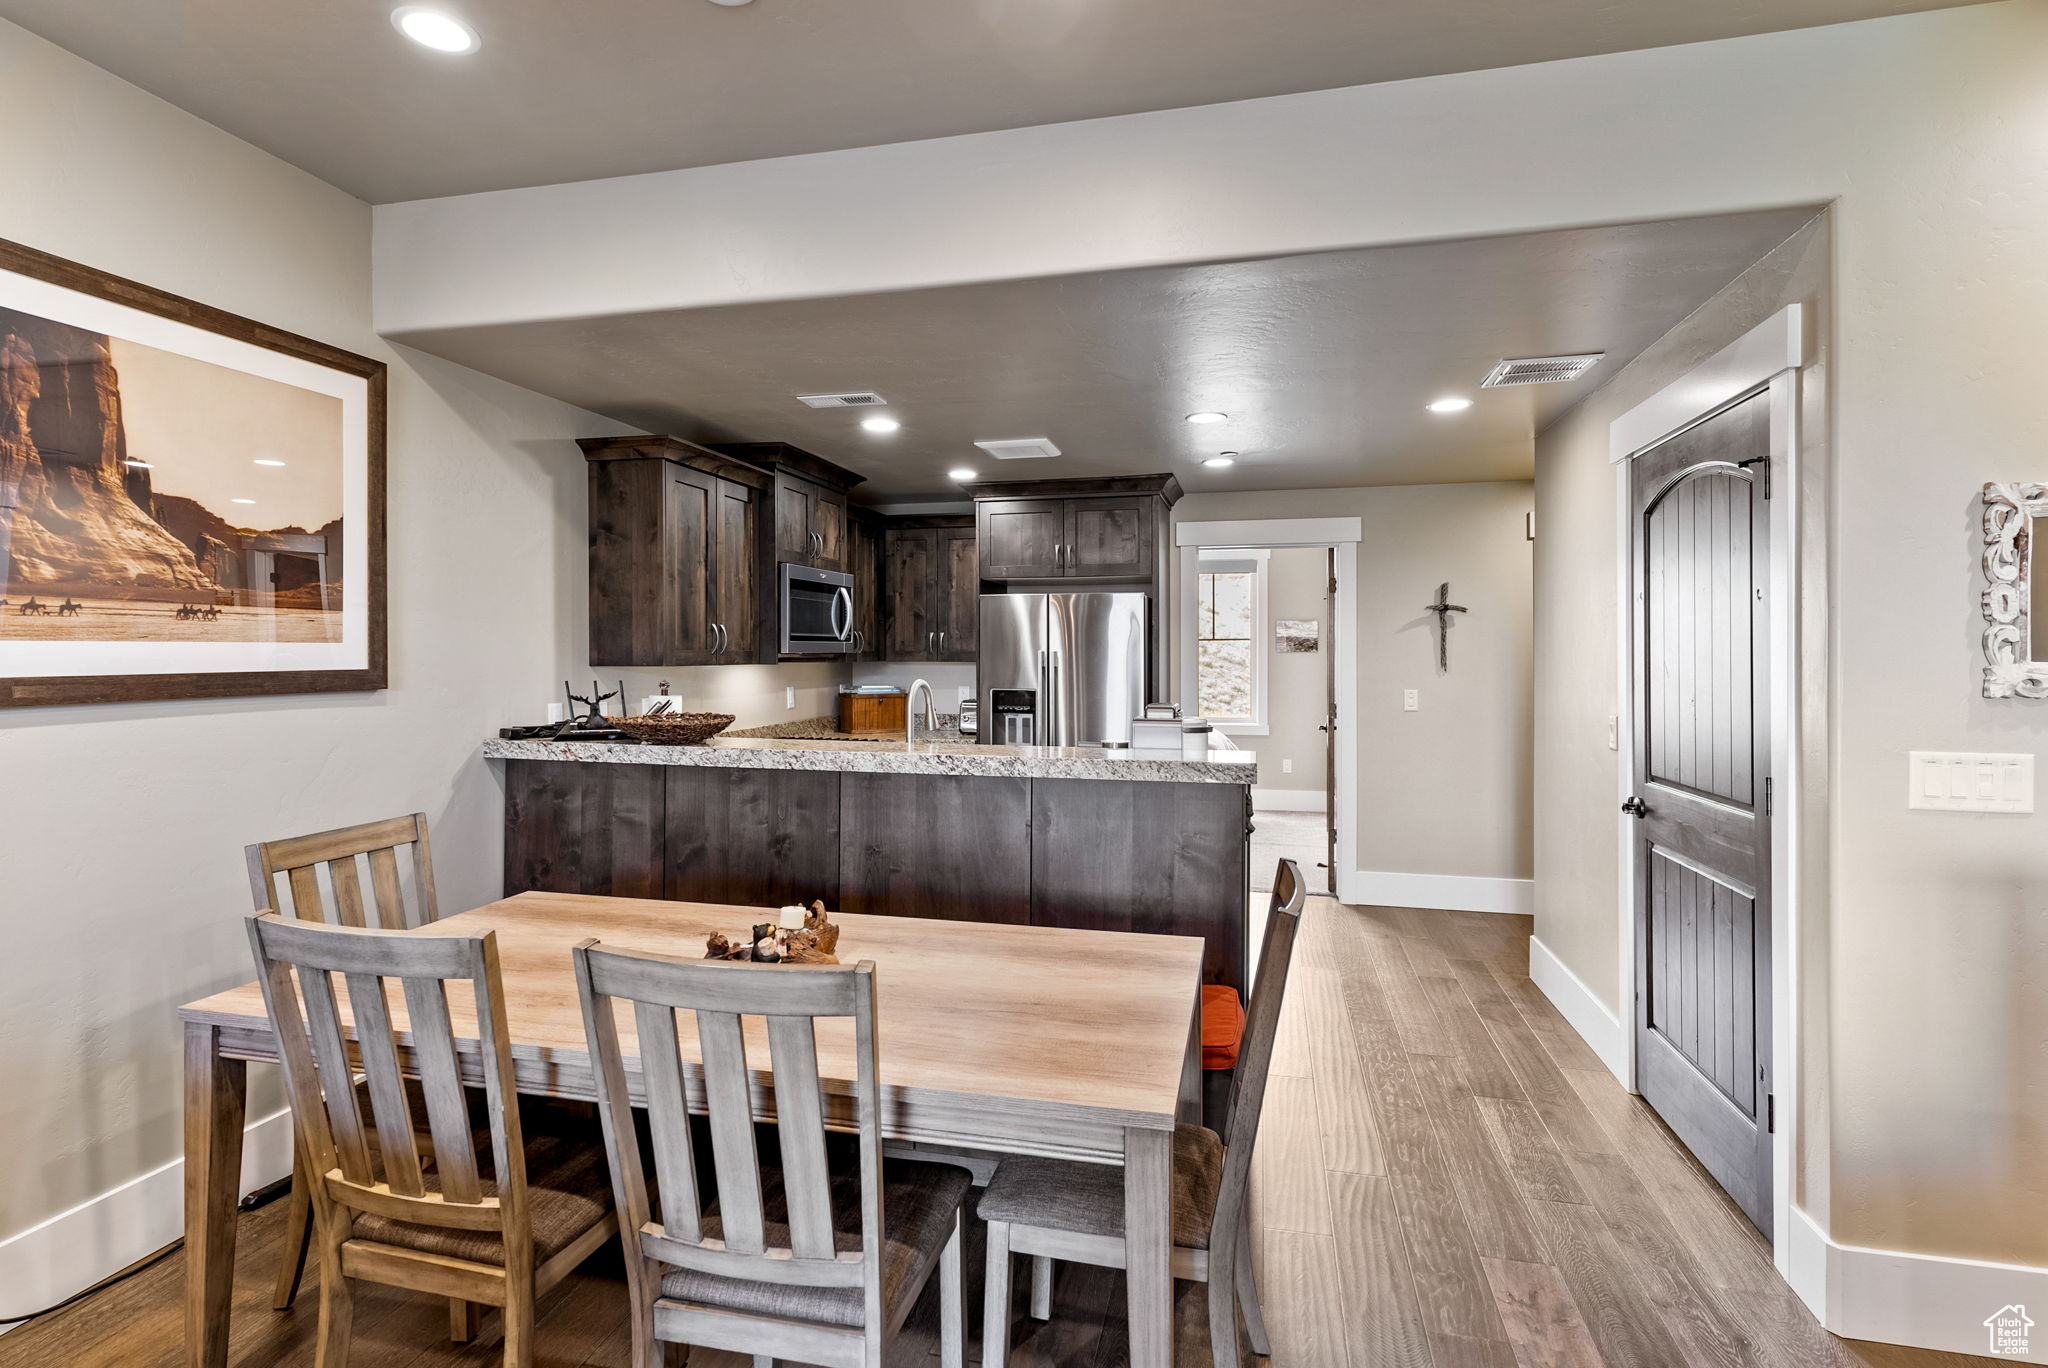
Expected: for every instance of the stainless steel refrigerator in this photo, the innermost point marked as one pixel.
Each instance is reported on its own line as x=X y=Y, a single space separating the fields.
x=1061 y=669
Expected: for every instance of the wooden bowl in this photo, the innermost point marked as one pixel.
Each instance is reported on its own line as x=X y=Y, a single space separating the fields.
x=676 y=729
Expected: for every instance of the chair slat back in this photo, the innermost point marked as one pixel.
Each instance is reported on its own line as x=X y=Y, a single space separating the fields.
x=297 y=964
x=717 y=999
x=343 y=854
x=1262 y=1023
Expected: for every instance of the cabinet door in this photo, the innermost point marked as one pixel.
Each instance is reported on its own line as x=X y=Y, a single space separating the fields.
x=689 y=516
x=735 y=589
x=913 y=629
x=629 y=601
x=957 y=593
x=828 y=521
x=753 y=838
x=1020 y=538
x=1110 y=537
x=575 y=828
x=864 y=556
x=793 y=501
x=927 y=845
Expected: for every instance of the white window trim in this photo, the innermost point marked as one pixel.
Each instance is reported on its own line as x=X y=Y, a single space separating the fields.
x=1259 y=558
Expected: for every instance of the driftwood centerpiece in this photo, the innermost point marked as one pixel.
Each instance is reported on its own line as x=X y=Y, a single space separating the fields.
x=794 y=937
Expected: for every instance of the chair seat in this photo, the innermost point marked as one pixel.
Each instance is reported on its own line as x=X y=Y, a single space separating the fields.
x=1088 y=1199
x=568 y=1190
x=918 y=1204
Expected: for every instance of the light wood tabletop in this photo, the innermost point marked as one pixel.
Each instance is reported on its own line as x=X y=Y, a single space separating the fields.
x=996 y=1037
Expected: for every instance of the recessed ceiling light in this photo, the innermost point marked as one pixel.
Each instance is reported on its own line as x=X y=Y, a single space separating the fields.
x=262 y=461
x=963 y=473
x=437 y=29
x=731 y=2
x=1208 y=417
x=1450 y=403
x=1218 y=462
x=246 y=501
x=880 y=424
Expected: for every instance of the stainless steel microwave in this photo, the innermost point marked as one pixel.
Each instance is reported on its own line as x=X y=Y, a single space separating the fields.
x=817 y=611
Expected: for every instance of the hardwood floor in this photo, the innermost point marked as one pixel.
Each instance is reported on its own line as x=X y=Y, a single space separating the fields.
x=1447 y=1179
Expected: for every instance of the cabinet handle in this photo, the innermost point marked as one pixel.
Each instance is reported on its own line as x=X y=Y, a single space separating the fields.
x=942 y=643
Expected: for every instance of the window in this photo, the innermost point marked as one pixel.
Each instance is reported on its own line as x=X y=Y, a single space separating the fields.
x=1230 y=626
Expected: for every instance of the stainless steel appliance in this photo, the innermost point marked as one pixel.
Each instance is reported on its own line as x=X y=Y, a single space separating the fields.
x=817 y=611
x=1061 y=669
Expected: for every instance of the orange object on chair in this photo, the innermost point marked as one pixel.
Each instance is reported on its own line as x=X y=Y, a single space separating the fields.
x=1222 y=1026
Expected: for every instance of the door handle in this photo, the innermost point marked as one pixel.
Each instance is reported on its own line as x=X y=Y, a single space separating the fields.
x=1634 y=808
x=842 y=598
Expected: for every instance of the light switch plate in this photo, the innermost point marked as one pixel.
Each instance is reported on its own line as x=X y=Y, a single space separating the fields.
x=1613 y=732
x=1968 y=781
x=1411 y=700
x=789 y=696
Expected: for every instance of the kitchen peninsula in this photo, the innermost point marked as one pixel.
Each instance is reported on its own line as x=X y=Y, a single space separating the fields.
x=1085 y=837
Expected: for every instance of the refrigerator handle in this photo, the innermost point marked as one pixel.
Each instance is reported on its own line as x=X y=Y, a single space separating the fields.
x=1054 y=714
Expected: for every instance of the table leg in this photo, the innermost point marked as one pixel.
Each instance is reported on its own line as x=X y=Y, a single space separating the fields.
x=216 y=1106
x=1148 y=1244
x=1191 y=1073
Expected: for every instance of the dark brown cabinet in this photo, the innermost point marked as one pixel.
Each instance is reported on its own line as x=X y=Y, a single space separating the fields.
x=932 y=589
x=757 y=838
x=810 y=524
x=584 y=828
x=674 y=537
x=1113 y=529
x=928 y=845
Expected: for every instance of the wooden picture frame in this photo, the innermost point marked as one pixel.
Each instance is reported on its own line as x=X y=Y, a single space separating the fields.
x=210 y=378
x=2012 y=664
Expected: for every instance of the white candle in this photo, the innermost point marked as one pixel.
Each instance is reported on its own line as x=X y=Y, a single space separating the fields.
x=790 y=918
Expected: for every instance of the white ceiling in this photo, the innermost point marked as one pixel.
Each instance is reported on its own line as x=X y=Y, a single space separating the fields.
x=567 y=90
x=1323 y=361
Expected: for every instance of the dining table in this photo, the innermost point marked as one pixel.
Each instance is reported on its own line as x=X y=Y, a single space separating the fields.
x=994 y=1039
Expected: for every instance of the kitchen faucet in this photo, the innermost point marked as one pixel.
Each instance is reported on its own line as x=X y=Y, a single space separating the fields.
x=931 y=711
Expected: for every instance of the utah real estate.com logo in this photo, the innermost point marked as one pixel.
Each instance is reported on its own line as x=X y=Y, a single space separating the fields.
x=2008 y=1328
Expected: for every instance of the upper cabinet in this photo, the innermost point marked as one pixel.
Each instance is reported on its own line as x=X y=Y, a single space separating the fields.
x=932 y=592
x=810 y=503
x=675 y=534
x=1110 y=529
x=866 y=536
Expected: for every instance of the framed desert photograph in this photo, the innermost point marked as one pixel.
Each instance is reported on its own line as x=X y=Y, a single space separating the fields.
x=191 y=503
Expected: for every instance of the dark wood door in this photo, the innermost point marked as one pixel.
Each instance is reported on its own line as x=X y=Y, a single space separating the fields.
x=1109 y=538
x=1181 y=846
x=794 y=544
x=913 y=627
x=583 y=828
x=1702 y=796
x=756 y=838
x=868 y=566
x=920 y=845
x=828 y=521
x=689 y=517
x=956 y=593
x=1021 y=538
x=735 y=587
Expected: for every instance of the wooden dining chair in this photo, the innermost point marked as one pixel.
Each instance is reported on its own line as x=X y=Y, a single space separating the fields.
x=1053 y=1209
x=382 y=1214
x=285 y=876
x=803 y=1258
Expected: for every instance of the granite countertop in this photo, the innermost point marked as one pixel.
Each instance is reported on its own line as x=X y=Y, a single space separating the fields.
x=943 y=756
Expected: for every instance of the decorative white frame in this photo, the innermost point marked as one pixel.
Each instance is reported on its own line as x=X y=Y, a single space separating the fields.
x=2010 y=671
x=1260 y=559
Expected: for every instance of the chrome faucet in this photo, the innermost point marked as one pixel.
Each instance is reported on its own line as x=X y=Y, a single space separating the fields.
x=931 y=711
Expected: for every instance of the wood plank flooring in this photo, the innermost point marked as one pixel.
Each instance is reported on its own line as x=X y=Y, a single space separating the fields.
x=1447 y=1179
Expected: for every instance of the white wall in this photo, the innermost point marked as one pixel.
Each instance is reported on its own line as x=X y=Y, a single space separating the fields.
x=1443 y=791
x=121 y=884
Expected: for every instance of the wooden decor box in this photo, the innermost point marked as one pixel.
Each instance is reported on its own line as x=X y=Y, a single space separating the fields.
x=873 y=712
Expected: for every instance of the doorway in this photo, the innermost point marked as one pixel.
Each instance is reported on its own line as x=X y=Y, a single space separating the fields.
x=1265 y=652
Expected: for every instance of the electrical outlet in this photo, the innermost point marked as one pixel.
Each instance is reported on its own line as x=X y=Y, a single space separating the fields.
x=1613 y=732
x=789 y=696
x=1411 y=700
x=1953 y=781
x=1287 y=767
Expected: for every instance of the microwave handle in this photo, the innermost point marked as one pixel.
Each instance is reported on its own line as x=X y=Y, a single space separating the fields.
x=842 y=597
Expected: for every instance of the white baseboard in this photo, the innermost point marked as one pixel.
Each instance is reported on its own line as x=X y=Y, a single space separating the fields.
x=74 y=1249
x=1922 y=1300
x=1448 y=892
x=1290 y=800
x=1581 y=1008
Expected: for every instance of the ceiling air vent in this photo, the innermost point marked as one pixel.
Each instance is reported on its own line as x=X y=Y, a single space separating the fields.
x=1020 y=449
x=1540 y=370
x=850 y=399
